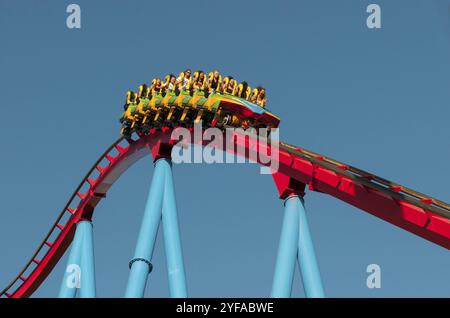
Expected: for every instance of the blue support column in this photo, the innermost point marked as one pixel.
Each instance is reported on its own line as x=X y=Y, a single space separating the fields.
x=172 y=241
x=72 y=272
x=140 y=265
x=287 y=250
x=87 y=284
x=309 y=269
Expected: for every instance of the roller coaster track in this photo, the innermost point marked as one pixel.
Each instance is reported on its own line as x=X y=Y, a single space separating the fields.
x=415 y=212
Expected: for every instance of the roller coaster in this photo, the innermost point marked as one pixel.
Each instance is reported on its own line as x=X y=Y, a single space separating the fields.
x=184 y=101
x=147 y=130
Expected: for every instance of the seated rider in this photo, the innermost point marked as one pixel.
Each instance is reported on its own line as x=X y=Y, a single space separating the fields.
x=142 y=91
x=254 y=95
x=171 y=83
x=199 y=81
x=183 y=80
x=262 y=97
x=225 y=82
x=127 y=100
x=244 y=90
x=214 y=82
x=131 y=103
x=156 y=86
x=230 y=86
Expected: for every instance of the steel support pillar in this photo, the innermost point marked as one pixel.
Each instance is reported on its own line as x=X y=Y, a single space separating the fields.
x=312 y=282
x=172 y=241
x=287 y=251
x=296 y=243
x=72 y=272
x=87 y=283
x=80 y=273
x=140 y=265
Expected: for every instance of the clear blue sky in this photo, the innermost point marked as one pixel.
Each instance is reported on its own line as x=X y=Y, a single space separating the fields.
x=376 y=99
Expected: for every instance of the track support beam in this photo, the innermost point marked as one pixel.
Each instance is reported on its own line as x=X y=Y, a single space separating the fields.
x=72 y=272
x=172 y=241
x=140 y=265
x=312 y=282
x=287 y=252
x=87 y=283
x=160 y=205
x=296 y=242
x=80 y=269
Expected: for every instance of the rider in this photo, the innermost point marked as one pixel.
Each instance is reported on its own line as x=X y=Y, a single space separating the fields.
x=230 y=86
x=171 y=83
x=156 y=86
x=127 y=100
x=254 y=94
x=199 y=82
x=214 y=82
x=243 y=90
x=183 y=80
x=262 y=97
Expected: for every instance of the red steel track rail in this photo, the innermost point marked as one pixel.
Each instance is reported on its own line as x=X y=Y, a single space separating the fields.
x=413 y=211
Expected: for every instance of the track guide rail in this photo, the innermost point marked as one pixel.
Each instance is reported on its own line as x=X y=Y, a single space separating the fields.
x=36 y=270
